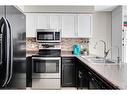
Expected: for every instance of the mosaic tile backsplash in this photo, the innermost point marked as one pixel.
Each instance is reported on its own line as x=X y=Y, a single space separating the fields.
x=66 y=44
x=31 y=44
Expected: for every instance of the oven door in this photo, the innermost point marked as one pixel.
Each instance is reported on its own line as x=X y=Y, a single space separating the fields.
x=46 y=67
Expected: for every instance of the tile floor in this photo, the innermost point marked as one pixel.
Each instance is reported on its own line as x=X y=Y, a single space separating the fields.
x=62 y=88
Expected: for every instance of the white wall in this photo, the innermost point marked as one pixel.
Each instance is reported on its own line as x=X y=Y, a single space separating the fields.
x=125 y=34
x=101 y=31
x=117 y=22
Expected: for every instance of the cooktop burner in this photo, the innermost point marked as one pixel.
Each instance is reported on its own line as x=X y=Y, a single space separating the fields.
x=48 y=53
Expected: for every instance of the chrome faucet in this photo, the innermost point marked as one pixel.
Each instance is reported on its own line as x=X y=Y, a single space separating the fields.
x=118 y=57
x=105 y=51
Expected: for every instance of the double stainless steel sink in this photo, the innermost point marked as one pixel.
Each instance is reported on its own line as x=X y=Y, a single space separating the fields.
x=100 y=60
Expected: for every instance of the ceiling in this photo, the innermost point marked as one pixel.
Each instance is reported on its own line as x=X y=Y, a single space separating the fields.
x=104 y=8
x=71 y=8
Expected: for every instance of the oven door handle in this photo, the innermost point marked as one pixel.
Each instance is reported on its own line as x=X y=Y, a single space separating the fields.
x=45 y=58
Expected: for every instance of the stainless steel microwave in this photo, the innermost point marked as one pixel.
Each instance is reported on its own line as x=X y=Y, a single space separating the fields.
x=48 y=35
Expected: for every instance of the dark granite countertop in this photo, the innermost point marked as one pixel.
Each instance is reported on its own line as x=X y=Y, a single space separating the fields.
x=115 y=73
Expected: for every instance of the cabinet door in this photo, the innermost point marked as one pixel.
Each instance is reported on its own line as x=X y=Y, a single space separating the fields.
x=55 y=22
x=84 y=25
x=68 y=75
x=43 y=21
x=29 y=71
x=30 y=25
x=82 y=78
x=68 y=26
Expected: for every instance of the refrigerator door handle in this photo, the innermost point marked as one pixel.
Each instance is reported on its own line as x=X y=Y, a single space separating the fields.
x=11 y=53
x=4 y=21
x=1 y=37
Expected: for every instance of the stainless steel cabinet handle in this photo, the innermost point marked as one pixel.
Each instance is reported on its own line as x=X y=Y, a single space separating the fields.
x=89 y=73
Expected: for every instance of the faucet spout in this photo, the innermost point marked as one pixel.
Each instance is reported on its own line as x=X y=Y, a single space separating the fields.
x=118 y=56
x=105 y=52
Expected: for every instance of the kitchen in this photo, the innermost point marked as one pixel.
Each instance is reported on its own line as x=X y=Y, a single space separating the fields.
x=75 y=47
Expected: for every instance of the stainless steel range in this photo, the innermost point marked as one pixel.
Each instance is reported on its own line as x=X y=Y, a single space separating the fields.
x=46 y=67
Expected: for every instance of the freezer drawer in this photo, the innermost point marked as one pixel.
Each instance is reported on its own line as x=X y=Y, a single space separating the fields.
x=17 y=83
x=45 y=84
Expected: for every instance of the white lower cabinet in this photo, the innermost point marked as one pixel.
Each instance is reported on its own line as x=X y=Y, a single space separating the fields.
x=46 y=84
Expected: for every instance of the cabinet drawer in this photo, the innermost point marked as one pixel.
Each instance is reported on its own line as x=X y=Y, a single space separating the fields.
x=45 y=83
x=67 y=60
x=18 y=83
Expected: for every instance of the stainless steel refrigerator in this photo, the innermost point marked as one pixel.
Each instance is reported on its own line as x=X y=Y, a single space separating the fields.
x=12 y=48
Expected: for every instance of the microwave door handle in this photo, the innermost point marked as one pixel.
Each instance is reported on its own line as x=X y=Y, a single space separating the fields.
x=11 y=52
x=3 y=21
x=54 y=36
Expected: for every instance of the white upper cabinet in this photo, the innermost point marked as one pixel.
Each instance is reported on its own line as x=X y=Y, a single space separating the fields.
x=48 y=21
x=68 y=26
x=30 y=25
x=76 y=25
x=71 y=25
x=84 y=25
x=43 y=21
x=55 y=21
